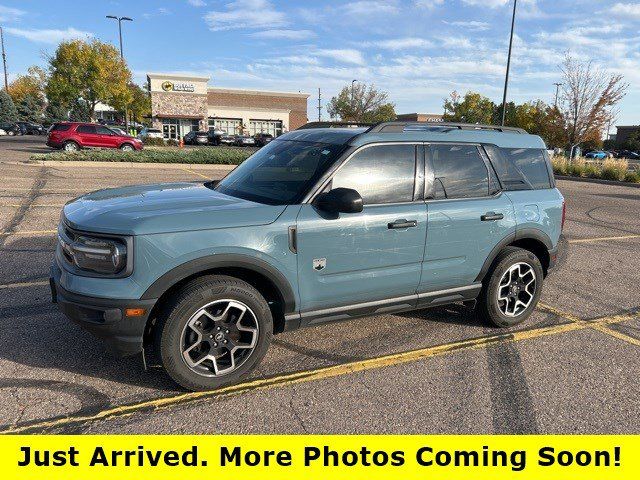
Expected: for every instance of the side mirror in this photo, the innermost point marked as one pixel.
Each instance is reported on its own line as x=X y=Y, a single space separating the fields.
x=340 y=200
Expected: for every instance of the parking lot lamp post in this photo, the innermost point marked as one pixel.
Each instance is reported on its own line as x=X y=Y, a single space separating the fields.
x=120 y=20
x=506 y=80
x=558 y=85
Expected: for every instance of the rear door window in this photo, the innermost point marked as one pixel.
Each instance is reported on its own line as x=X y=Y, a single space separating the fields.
x=520 y=168
x=380 y=174
x=86 y=129
x=459 y=170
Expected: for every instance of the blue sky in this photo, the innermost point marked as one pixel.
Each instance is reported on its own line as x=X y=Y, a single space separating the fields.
x=417 y=50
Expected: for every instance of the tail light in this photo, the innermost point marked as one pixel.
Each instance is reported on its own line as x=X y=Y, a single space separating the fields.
x=564 y=214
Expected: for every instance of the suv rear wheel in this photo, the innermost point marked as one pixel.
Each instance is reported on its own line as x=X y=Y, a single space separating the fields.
x=512 y=289
x=213 y=332
x=70 y=147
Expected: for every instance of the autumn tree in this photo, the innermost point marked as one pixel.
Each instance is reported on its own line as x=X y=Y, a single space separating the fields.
x=32 y=84
x=90 y=71
x=361 y=103
x=588 y=97
x=137 y=102
x=472 y=108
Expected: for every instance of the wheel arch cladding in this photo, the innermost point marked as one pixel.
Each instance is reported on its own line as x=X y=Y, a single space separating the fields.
x=265 y=278
x=531 y=239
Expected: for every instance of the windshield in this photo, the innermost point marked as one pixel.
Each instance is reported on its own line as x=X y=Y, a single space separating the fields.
x=281 y=172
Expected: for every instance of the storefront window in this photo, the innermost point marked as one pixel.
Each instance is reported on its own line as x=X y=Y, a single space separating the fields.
x=273 y=127
x=231 y=126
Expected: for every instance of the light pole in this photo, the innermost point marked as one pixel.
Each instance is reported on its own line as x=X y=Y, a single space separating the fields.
x=120 y=20
x=506 y=80
x=353 y=107
x=558 y=85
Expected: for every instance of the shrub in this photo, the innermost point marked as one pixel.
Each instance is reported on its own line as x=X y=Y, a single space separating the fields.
x=156 y=142
x=632 y=177
x=560 y=164
x=576 y=166
x=207 y=155
x=613 y=169
x=591 y=170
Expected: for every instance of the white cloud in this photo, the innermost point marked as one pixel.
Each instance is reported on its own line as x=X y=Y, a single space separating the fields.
x=48 y=36
x=369 y=7
x=626 y=10
x=10 y=14
x=404 y=43
x=284 y=34
x=197 y=3
x=241 y=14
x=345 y=55
x=158 y=13
x=462 y=43
x=472 y=25
x=487 y=3
x=428 y=4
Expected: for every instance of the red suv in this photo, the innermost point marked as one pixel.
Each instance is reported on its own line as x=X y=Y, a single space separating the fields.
x=72 y=136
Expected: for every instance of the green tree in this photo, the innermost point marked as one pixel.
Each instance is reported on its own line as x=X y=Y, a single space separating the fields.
x=54 y=112
x=91 y=71
x=472 y=108
x=30 y=108
x=8 y=112
x=80 y=111
x=361 y=103
x=139 y=105
x=633 y=142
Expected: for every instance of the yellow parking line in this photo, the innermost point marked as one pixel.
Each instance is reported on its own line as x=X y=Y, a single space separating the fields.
x=614 y=333
x=318 y=374
x=24 y=284
x=195 y=173
x=28 y=233
x=595 y=326
x=603 y=239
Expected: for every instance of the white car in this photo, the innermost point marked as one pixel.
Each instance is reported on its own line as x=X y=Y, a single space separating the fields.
x=2 y=132
x=150 y=133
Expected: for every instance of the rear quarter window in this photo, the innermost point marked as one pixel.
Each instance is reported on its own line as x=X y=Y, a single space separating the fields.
x=520 y=168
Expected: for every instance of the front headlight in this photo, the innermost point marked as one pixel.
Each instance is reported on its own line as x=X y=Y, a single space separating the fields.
x=100 y=255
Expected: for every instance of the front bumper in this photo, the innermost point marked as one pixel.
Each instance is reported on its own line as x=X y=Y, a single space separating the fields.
x=103 y=317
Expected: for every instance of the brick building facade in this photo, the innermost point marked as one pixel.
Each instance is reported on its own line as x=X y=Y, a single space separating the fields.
x=180 y=104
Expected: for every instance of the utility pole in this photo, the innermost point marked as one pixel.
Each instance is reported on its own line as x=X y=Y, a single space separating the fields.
x=319 y=106
x=120 y=20
x=558 y=85
x=506 y=80
x=4 y=61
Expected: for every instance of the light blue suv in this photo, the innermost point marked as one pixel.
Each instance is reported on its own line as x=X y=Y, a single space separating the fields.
x=322 y=224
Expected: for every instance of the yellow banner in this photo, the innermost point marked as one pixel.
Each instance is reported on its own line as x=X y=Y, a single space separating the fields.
x=113 y=457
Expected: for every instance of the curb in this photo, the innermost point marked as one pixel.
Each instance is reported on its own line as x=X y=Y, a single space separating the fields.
x=85 y=163
x=598 y=180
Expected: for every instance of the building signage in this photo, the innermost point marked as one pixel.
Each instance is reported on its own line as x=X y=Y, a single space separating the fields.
x=178 y=87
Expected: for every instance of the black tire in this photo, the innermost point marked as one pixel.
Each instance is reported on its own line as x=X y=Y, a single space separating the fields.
x=127 y=147
x=70 y=146
x=181 y=308
x=488 y=307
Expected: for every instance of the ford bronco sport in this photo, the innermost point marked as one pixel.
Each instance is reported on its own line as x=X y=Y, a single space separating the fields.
x=322 y=224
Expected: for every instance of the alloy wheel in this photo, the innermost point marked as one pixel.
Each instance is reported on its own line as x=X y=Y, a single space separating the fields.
x=516 y=290
x=219 y=338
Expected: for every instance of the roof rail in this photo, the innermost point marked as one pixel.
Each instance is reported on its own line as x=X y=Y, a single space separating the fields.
x=309 y=125
x=396 y=127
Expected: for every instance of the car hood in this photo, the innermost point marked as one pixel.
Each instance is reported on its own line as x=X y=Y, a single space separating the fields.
x=164 y=208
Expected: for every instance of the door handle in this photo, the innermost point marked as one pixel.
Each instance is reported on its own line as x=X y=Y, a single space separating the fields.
x=400 y=224
x=491 y=217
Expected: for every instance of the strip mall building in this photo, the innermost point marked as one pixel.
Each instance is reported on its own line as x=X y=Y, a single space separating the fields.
x=182 y=103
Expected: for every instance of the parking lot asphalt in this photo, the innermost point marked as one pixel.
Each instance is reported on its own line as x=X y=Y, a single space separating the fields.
x=571 y=368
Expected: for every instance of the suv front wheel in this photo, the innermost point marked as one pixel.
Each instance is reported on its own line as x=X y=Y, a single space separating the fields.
x=512 y=289
x=213 y=332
